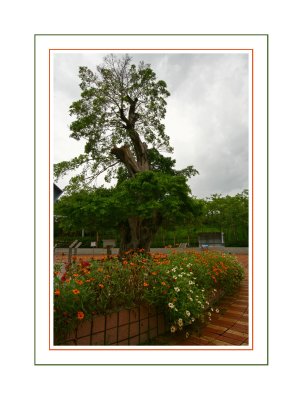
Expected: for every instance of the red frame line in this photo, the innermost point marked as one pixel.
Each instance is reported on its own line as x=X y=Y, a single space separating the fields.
x=252 y=198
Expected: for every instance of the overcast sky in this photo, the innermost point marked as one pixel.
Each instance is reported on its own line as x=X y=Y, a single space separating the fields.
x=207 y=114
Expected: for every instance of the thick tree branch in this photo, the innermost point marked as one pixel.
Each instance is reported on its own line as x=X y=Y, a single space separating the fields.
x=124 y=155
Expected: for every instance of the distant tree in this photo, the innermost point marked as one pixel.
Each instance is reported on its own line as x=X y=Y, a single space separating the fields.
x=120 y=114
x=229 y=214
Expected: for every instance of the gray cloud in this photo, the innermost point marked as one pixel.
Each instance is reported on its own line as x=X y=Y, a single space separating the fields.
x=207 y=113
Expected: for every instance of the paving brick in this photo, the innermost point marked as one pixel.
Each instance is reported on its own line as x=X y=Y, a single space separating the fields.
x=192 y=341
x=234 y=312
x=217 y=328
x=210 y=339
x=233 y=315
x=226 y=319
x=238 y=307
x=211 y=336
x=232 y=341
x=223 y=324
x=240 y=328
x=235 y=335
x=209 y=331
x=244 y=323
x=221 y=343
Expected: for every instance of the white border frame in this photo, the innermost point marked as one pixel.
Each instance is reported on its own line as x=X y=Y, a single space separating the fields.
x=257 y=354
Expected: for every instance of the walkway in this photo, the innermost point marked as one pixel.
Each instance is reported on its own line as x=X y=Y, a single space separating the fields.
x=228 y=328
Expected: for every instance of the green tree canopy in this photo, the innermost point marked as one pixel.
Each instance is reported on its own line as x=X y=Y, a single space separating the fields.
x=120 y=113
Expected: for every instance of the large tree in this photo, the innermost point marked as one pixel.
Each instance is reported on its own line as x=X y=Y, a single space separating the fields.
x=120 y=115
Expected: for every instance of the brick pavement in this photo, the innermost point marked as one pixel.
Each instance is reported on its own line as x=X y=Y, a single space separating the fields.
x=228 y=328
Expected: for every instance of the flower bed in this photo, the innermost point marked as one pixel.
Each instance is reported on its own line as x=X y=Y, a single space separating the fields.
x=179 y=286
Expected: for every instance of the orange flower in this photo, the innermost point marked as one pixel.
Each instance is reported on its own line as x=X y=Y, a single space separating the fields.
x=79 y=282
x=80 y=315
x=163 y=283
x=75 y=274
x=76 y=291
x=57 y=292
x=145 y=284
x=154 y=273
x=101 y=285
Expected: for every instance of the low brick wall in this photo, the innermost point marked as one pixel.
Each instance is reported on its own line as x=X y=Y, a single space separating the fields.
x=126 y=327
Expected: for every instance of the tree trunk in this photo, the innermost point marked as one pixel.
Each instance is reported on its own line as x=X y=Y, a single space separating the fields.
x=137 y=233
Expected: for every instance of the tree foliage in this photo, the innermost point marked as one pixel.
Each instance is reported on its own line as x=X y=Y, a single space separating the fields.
x=230 y=214
x=120 y=113
x=150 y=199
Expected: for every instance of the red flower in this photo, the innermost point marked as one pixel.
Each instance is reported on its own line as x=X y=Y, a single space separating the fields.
x=85 y=263
x=80 y=315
